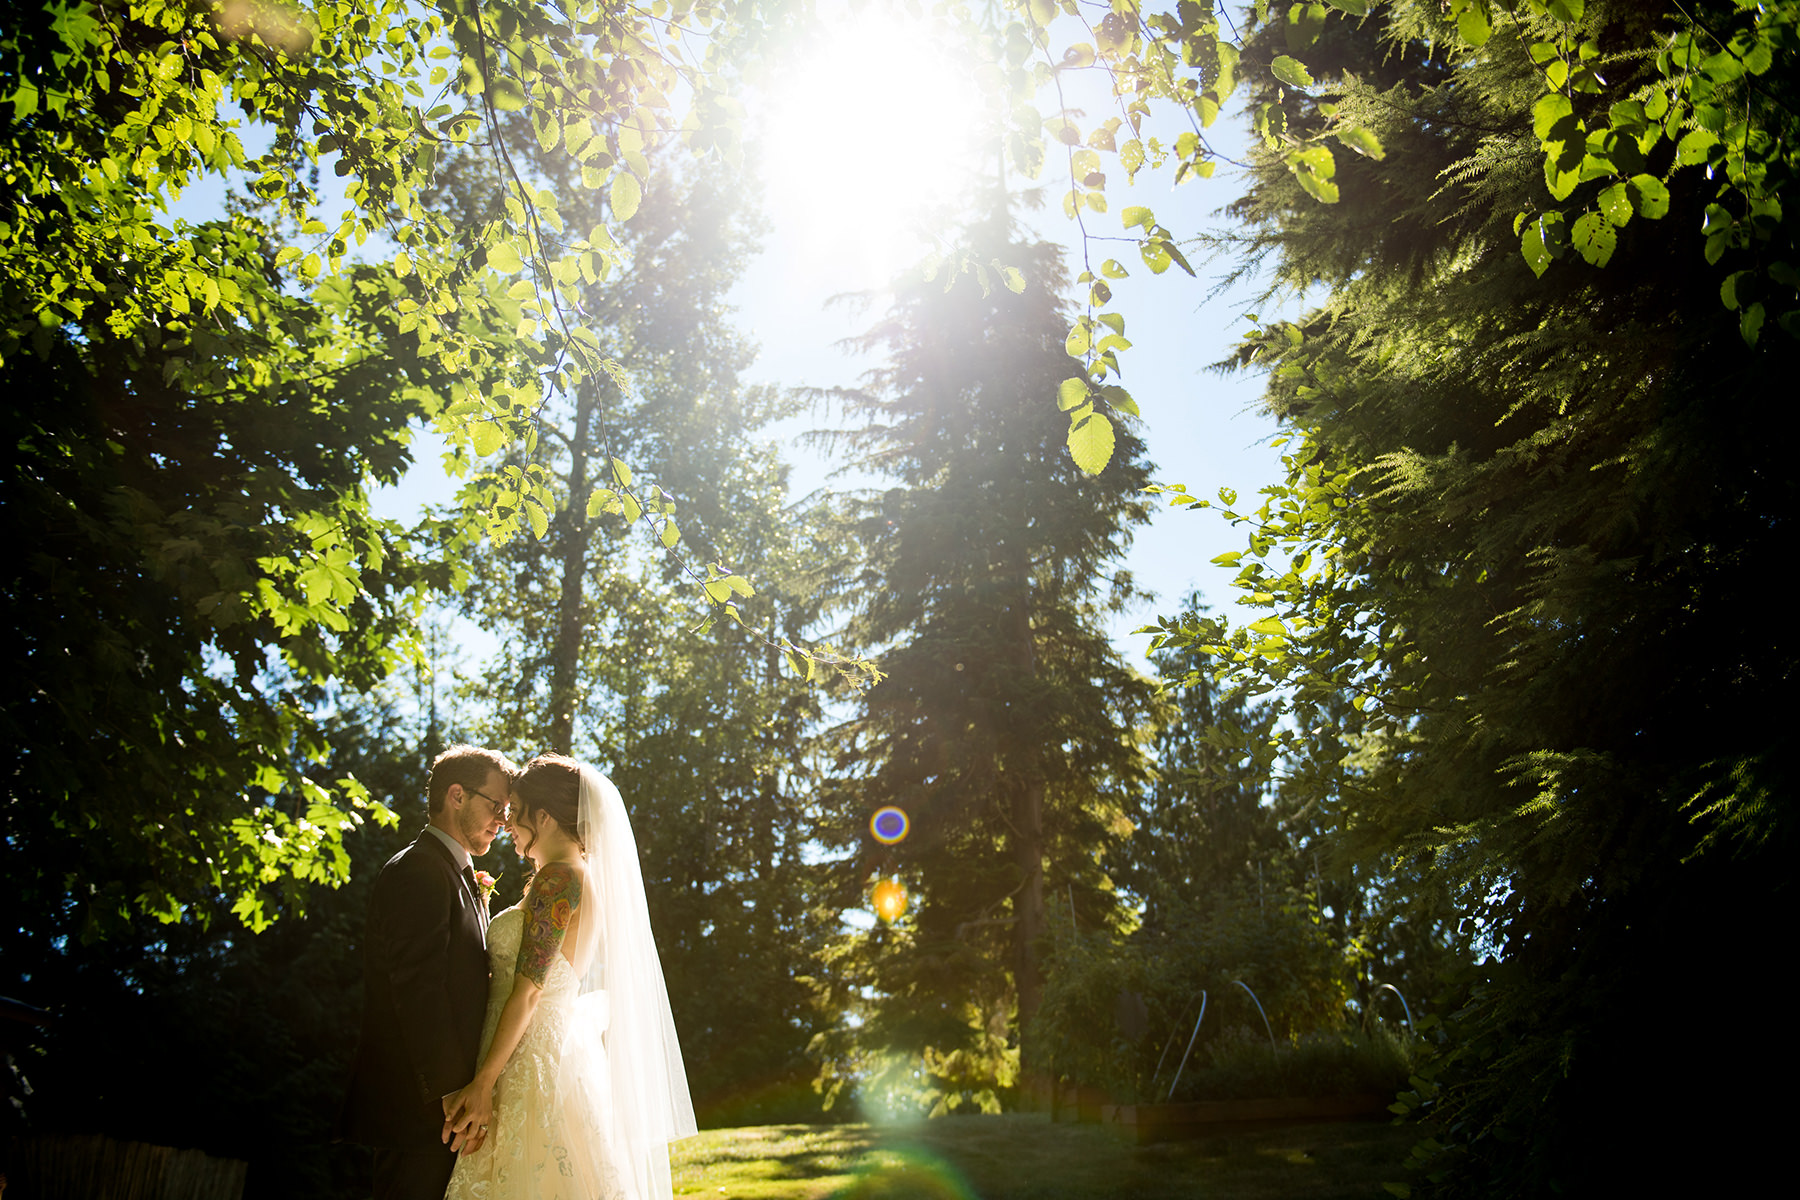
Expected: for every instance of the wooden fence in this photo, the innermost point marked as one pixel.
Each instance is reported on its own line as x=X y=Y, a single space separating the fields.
x=98 y=1168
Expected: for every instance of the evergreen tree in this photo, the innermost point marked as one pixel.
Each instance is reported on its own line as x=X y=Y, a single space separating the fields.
x=1003 y=726
x=1526 y=516
x=1205 y=826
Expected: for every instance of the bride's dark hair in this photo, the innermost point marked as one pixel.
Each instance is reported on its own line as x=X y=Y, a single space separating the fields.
x=551 y=783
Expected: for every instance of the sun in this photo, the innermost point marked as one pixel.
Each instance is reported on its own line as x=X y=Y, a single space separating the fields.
x=868 y=129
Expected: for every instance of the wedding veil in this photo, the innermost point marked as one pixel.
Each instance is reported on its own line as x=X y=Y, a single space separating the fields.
x=651 y=1106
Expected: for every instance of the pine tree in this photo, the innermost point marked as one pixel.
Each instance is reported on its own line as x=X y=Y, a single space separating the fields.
x=1530 y=519
x=1003 y=726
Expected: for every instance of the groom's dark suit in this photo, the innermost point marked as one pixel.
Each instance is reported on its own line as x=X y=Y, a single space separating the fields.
x=425 y=985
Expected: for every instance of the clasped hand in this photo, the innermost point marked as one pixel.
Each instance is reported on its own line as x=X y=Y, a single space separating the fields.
x=467 y=1115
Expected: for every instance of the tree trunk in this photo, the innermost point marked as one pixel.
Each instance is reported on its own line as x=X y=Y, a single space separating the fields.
x=565 y=655
x=1027 y=802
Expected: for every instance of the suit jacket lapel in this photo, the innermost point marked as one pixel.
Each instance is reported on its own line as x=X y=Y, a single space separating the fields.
x=427 y=838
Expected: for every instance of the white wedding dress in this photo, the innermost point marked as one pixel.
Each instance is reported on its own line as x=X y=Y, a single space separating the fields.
x=595 y=1091
x=554 y=1135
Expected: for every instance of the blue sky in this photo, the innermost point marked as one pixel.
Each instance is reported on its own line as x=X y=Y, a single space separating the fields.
x=1203 y=430
x=847 y=140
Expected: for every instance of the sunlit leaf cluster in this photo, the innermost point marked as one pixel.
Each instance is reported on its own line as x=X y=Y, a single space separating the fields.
x=1608 y=157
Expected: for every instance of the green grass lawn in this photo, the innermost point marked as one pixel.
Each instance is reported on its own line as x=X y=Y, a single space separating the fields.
x=1025 y=1157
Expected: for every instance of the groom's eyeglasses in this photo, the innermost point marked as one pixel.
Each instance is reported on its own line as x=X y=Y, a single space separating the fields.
x=499 y=807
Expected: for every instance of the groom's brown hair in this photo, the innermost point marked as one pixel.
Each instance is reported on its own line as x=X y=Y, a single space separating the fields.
x=467 y=765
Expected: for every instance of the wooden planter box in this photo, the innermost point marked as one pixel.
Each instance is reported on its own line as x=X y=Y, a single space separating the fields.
x=1148 y=1123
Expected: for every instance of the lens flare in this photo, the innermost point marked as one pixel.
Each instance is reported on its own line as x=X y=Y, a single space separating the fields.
x=890 y=899
x=889 y=825
x=908 y=1175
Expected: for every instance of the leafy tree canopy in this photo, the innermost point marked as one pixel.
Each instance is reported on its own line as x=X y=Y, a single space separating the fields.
x=110 y=111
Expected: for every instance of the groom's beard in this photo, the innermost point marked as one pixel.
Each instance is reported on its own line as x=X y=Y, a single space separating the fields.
x=477 y=831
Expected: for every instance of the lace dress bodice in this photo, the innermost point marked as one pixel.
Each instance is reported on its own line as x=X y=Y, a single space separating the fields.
x=550 y=1024
x=552 y=1128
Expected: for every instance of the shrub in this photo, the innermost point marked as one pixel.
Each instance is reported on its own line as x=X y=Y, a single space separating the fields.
x=1118 y=1011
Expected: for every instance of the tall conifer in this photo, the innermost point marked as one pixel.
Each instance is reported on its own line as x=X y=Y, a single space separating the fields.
x=1002 y=726
x=1548 y=506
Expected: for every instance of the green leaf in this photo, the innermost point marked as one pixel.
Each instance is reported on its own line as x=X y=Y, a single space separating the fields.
x=1290 y=71
x=1761 y=55
x=1304 y=24
x=1619 y=150
x=625 y=195
x=540 y=520
x=1314 y=168
x=1728 y=291
x=1269 y=627
x=487 y=437
x=633 y=510
x=599 y=501
x=1120 y=399
x=1076 y=344
x=1692 y=149
x=1649 y=197
x=1751 y=324
x=1561 y=183
x=504 y=258
x=1472 y=24
x=670 y=533
x=506 y=94
x=1071 y=393
x=1137 y=215
x=1363 y=141
x=1615 y=203
x=1541 y=243
x=1595 y=238
x=1548 y=115
x=1722 y=67
x=1628 y=116
x=1091 y=442
x=621 y=474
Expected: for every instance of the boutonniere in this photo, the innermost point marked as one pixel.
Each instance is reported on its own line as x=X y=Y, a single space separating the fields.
x=486 y=883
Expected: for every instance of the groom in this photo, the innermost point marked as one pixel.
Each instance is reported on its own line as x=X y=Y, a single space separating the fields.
x=425 y=978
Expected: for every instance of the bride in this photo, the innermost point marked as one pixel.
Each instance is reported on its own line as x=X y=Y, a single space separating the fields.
x=581 y=1087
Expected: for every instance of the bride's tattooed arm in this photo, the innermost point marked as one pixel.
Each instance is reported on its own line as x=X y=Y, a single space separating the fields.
x=550 y=906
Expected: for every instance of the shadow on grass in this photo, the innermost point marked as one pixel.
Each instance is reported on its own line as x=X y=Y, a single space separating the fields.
x=1025 y=1157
